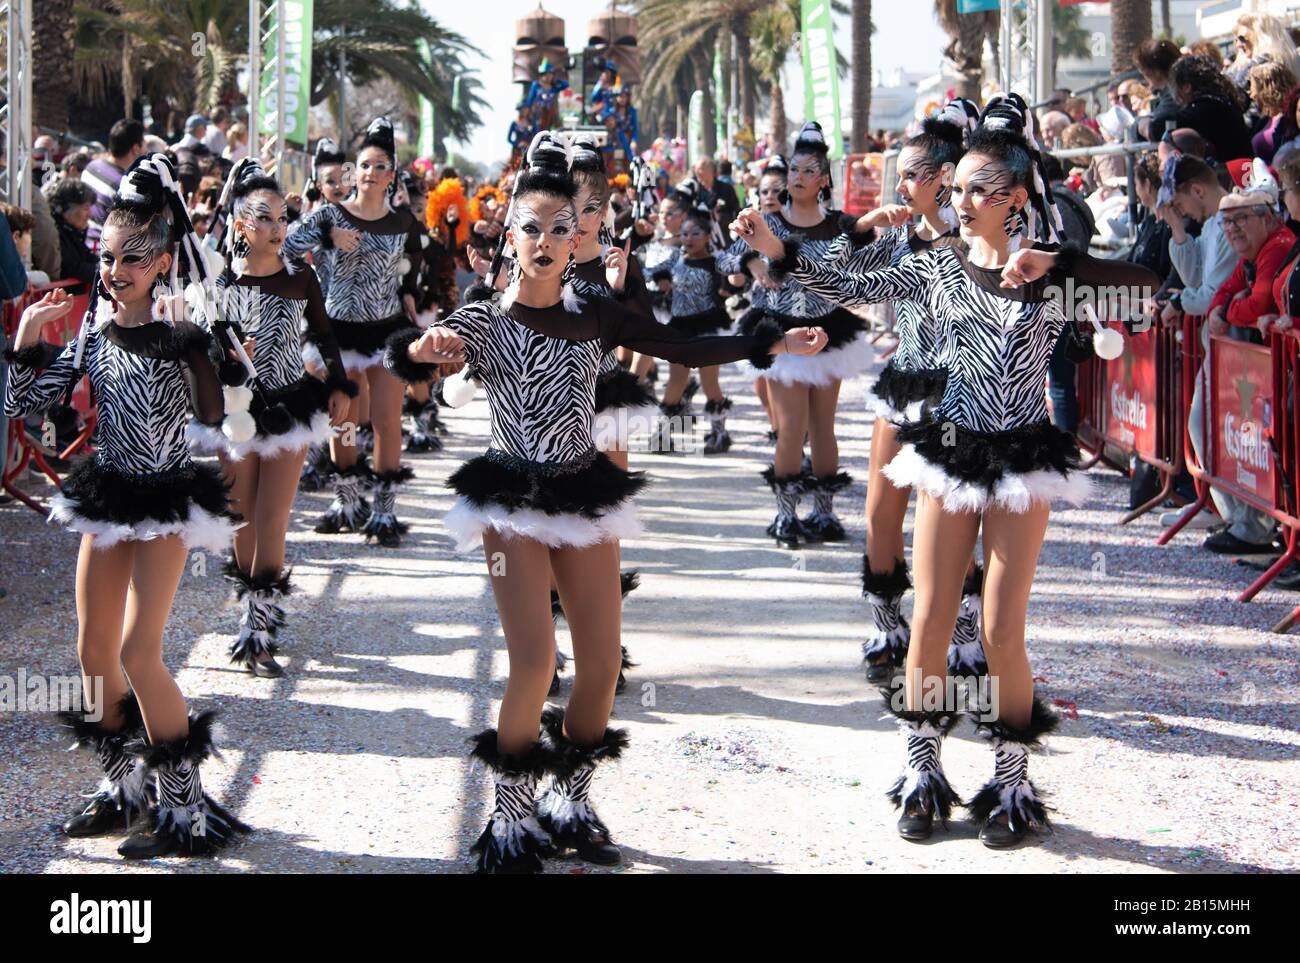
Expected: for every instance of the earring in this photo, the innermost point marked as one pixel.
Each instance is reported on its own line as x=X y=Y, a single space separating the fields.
x=158 y=311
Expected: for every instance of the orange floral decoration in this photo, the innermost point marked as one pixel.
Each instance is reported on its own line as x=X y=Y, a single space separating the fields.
x=476 y=212
x=448 y=195
x=619 y=181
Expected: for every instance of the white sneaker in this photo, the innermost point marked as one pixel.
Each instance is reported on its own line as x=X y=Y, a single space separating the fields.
x=1203 y=519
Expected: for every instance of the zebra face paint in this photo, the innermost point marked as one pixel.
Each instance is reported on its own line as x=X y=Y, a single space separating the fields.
x=335 y=181
x=769 y=193
x=591 y=203
x=375 y=170
x=543 y=233
x=920 y=180
x=129 y=263
x=263 y=220
x=807 y=177
x=984 y=195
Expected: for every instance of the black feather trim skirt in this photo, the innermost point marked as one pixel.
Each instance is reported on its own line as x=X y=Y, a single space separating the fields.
x=970 y=471
x=361 y=343
x=704 y=323
x=307 y=402
x=902 y=394
x=624 y=407
x=569 y=504
x=115 y=506
x=848 y=352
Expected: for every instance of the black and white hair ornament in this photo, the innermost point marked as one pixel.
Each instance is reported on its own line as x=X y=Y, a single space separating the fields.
x=1010 y=114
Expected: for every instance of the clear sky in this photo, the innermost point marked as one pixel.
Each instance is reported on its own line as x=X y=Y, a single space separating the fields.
x=907 y=36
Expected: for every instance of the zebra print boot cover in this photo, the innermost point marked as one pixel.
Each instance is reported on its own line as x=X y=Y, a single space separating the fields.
x=513 y=841
x=966 y=651
x=823 y=523
x=124 y=788
x=564 y=810
x=317 y=469
x=923 y=787
x=188 y=821
x=890 y=632
x=349 y=510
x=382 y=523
x=1010 y=793
x=263 y=616
x=785 y=527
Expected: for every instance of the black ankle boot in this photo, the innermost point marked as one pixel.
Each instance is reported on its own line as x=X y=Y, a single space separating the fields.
x=922 y=791
x=187 y=822
x=885 y=649
x=564 y=811
x=349 y=510
x=122 y=797
x=1009 y=795
x=513 y=842
x=382 y=525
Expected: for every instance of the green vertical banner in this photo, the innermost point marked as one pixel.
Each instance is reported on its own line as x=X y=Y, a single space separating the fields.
x=719 y=95
x=294 y=18
x=695 y=129
x=426 y=112
x=821 y=83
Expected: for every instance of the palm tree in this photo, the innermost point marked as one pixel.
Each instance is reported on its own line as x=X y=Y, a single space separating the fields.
x=965 y=51
x=150 y=47
x=52 y=46
x=861 y=100
x=771 y=41
x=1130 y=24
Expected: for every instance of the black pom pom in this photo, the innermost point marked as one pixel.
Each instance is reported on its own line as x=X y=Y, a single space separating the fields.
x=232 y=372
x=275 y=420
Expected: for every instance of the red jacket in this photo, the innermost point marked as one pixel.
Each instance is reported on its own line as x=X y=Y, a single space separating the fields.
x=1270 y=260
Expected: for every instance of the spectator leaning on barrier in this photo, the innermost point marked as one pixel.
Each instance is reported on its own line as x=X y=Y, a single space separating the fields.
x=1255 y=230
x=1190 y=189
x=104 y=174
x=21 y=223
x=70 y=203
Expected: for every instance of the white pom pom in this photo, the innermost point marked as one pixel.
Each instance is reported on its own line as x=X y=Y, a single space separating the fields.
x=1109 y=344
x=458 y=389
x=238 y=398
x=403 y=266
x=424 y=240
x=239 y=427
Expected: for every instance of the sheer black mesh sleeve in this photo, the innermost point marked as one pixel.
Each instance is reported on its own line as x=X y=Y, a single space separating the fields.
x=620 y=325
x=193 y=347
x=321 y=333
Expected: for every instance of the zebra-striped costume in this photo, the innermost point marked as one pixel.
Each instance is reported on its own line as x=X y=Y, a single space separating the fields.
x=274 y=310
x=654 y=255
x=792 y=305
x=989 y=441
x=542 y=478
x=623 y=404
x=910 y=379
x=142 y=482
x=696 y=305
x=366 y=284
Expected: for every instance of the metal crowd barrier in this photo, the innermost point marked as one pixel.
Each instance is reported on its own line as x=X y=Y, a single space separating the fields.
x=1133 y=405
x=22 y=449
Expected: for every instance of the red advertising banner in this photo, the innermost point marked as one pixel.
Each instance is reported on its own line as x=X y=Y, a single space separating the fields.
x=862 y=183
x=1130 y=388
x=1241 y=378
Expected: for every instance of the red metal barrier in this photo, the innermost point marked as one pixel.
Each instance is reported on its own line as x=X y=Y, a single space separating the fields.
x=24 y=450
x=1252 y=435
x=1134 y=403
